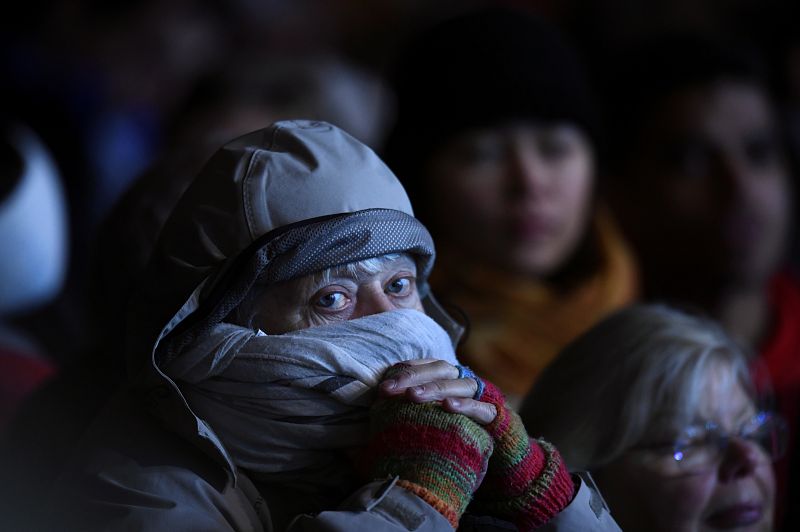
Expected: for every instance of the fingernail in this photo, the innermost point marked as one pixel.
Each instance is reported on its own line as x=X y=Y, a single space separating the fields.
x=455 y=402
x=389 y=385
x=419 y=390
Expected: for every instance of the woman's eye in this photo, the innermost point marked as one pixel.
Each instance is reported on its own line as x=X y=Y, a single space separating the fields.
x=555 y=146
x=485 y=149
x=761 y=151
x=332 y=301
x=400 y=287
x=696 y=438
x=483 y=154
x=688 y=159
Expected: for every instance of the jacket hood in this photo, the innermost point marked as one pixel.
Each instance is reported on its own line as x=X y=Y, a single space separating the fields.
x=281 y=202
x=284 y=174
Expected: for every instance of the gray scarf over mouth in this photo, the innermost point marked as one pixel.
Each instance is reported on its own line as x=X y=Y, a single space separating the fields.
x=290 y=408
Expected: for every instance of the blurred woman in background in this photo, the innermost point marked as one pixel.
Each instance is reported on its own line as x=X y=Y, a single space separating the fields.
x=698 y=177
x=495 y=141
x=663 y=413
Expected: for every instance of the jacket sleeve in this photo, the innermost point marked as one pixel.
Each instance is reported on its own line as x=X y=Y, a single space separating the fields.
x=587 y=511
x=379 y=506
x=383 y=506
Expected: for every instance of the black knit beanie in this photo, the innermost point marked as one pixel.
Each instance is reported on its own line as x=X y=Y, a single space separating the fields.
x=481 y=69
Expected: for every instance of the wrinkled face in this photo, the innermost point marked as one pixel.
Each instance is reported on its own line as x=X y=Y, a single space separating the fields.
x=647 y=491
x=706 y=195
x=343 y=294
x=516 y=196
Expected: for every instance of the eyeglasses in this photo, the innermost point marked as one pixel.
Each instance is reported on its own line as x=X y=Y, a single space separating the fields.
x=699 y=448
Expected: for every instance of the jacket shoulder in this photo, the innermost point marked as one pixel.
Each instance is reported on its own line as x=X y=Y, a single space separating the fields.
x=132 y=474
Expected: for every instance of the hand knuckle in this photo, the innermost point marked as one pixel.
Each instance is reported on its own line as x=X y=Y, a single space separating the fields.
x=407 y=372
x=439 y=364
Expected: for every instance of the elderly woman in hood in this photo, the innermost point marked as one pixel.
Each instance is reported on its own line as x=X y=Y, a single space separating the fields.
x=290 y=369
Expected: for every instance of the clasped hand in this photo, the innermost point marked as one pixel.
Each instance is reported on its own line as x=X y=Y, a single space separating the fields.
x=422 y=381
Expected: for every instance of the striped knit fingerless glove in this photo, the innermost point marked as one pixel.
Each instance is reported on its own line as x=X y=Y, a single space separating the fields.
x=439 y=456
x=527 y=482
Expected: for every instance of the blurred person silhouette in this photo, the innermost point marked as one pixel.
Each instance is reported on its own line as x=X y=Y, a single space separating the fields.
x=496 y=142
x=288 y=279
x=251 y=90
x=34 y=249
x=34 y=246
x=699 y=181
x=782 y=47
x=664 y=414
x=778 y=31
x=97 y=81
x=136 y=60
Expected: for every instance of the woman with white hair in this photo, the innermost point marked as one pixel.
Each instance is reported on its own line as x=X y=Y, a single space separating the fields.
x=289 y=368
x=659 y=406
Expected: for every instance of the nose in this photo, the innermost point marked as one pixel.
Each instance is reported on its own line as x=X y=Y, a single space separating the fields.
x=740 y=458
x=372 y=302
x=732 y=177
x=527 y=174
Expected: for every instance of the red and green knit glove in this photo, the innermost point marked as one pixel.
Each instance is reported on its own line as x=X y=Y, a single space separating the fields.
x=527 y=482
x=439 y=456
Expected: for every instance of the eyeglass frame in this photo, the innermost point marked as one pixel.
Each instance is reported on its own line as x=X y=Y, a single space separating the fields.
x=722 y=440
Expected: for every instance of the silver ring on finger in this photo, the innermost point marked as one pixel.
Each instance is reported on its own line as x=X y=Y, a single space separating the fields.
x=464 y=372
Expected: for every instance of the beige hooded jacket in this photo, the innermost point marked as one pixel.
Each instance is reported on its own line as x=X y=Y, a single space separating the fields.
x=276 y=204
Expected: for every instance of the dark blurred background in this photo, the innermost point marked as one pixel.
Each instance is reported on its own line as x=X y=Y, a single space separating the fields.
x=130 y=97
x=120 y=89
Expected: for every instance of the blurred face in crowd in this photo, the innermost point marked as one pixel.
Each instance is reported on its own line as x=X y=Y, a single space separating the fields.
x=707 y=194
x=339 y=294
x=517 y=196
x=712 y=488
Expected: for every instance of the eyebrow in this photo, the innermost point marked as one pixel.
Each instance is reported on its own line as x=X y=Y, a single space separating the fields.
x=343 y=272
x=741 y=416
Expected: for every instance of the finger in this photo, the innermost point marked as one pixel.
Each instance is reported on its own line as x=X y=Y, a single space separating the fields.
x=408 y=375
x=483 y=413
x=440 y=390
x=420 y=361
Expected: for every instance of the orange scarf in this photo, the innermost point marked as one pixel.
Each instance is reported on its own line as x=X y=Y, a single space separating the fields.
x=519 y=324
